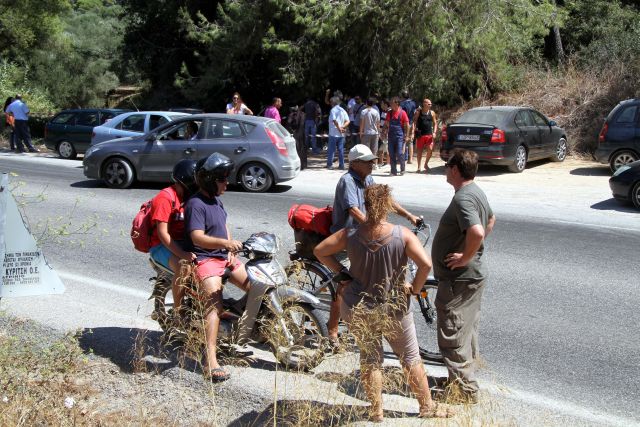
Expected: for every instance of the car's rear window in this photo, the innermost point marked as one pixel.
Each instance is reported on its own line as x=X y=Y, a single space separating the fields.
x=628 y=115
x=278 y=129
x=485 y=117
x=64 y=118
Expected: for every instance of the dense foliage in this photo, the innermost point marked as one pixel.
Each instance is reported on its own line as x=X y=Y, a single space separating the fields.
x=66 y=53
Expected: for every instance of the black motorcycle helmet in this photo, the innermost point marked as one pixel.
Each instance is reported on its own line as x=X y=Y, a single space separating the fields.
x=211 y=169
x=184 y=173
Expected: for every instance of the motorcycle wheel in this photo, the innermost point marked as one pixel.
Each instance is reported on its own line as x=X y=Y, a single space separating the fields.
x=308 y=327
x=429 y=349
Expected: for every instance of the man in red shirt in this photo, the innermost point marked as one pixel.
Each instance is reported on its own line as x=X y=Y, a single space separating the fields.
x=167 y=217
x=397 y=132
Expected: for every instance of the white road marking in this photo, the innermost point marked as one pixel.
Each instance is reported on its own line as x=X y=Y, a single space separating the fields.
x=103 y=284
x=558 y=406
x=564 y=407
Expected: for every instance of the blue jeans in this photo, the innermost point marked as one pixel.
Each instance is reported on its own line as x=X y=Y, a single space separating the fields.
x=396 y=155
x=22 y=136
x=310 y=134
x=335 y=142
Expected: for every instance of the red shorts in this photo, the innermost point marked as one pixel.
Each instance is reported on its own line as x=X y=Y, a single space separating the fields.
x=215 y=267
x=425 y=140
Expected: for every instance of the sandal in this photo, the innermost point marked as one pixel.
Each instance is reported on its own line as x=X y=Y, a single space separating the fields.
x=437 y=411
x=217 y=375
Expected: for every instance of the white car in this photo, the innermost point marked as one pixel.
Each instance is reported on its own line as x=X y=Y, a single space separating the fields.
x=132 y=124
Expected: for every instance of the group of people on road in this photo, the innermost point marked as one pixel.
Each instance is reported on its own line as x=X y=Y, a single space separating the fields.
x=16 y=113
x=376 y=258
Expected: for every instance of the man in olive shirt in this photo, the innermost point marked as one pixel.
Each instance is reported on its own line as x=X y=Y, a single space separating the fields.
x=457 y=264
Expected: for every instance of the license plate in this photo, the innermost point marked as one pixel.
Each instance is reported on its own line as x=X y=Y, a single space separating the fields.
x=468 y=137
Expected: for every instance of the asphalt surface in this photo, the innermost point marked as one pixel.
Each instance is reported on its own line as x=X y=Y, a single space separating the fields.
x=559 y=316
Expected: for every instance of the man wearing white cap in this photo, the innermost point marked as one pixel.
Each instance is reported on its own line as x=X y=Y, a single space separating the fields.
x=349 y=210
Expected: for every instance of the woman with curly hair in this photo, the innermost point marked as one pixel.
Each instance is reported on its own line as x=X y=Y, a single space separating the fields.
x=379 y=252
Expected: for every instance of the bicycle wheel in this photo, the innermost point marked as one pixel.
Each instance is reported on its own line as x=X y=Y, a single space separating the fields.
x=429 y=349
x=304 y=275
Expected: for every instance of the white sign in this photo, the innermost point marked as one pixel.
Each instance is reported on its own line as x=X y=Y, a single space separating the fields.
x=24 y=269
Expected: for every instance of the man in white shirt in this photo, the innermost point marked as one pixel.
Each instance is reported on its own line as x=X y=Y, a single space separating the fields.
x=338 y=125
x=20 y=113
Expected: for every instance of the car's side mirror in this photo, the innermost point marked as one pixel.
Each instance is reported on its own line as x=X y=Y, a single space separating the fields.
x=151 y=137
x=552 y=123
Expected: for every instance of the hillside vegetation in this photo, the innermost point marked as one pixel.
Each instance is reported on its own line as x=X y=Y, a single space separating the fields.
x=571 y=59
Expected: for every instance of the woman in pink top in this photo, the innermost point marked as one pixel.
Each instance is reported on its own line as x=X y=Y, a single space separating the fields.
x=237 y=107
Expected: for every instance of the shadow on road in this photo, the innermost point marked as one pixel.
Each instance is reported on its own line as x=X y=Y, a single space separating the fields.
x=95 y=183
x=309 y=412
x=592 y=171
x=613 y=205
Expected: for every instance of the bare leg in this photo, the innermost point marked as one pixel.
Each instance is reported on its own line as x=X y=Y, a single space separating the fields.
x=372 y=381
x=410 y=152
x=334 y=318
x=212 y=288
x=428 y=157
x=419 y=155
x=177 y=288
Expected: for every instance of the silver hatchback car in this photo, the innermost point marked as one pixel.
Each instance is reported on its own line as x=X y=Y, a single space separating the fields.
x=264 y=152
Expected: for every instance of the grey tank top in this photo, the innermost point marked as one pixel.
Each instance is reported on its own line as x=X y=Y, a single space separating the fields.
x=378 y=268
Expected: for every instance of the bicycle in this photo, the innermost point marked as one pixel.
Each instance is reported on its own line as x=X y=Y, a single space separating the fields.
x=315 y=278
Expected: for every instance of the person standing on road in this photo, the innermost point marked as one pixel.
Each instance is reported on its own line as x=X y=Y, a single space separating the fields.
x=22 y=137
x=349 y=209
x=272 y=110
x=376 y=303
x=10 y=123
x=354 y=126
x=311 y=110
x=425 y=126
x=338 y=125
x=457 y=252
x=370 y=127
x=409 y=106
x=397 y=132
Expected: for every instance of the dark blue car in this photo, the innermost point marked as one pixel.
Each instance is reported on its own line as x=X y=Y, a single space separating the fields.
x=619 y=140
x=625 y=183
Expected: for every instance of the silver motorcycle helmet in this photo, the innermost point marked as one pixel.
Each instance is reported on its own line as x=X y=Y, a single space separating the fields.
x=209 y=170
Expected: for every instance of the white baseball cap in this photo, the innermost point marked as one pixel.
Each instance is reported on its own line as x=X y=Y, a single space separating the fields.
x=361 y=152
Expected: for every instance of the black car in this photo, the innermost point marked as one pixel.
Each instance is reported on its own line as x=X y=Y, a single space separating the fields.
x=69 y=132
x=505 y=135
x=619 y=139
x=625 y=183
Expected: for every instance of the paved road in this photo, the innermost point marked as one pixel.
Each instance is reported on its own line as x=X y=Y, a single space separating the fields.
x=559 y=320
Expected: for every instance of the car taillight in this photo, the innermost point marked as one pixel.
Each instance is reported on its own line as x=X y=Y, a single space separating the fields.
x=498 y=137
x=603 y=132
x=443 y=135
x=277 y=142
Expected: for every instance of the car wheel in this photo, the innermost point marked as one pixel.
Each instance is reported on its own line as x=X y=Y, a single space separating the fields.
x=635 y=195
x=520 y=160
x=561 y=151
x=66 y=150
x=255 y=178
x=117 y=173
x=622 y=158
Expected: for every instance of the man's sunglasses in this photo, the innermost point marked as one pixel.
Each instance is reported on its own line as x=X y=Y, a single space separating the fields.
x=221 y=180
x=449 y=165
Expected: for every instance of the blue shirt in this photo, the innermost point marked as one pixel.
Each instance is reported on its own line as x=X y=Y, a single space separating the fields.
x=19 y=110
x=339 y=115
x=204 y=213
x=349 y=194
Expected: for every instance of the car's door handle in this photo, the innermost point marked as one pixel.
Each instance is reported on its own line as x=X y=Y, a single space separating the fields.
x=239 y=150
x=189 y=151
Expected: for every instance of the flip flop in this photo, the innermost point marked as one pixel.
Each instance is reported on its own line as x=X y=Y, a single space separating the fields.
x=217 y=375
x=438 y=411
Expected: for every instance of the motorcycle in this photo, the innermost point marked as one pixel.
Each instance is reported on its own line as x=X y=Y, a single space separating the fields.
x=287 y=318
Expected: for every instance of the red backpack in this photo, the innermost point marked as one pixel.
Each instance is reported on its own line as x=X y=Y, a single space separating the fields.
x=310 y=218
x=141 y=227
